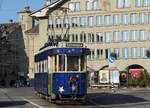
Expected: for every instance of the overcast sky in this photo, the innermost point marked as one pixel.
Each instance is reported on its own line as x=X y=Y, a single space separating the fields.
x=9 y=8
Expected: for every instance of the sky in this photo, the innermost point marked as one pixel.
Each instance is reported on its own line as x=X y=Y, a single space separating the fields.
x=9 y=8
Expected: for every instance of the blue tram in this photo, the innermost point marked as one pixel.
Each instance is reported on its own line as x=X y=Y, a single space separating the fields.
x=60 y=71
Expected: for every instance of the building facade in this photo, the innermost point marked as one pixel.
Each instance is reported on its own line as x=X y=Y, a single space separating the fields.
x=105 y=26
x=13 y=59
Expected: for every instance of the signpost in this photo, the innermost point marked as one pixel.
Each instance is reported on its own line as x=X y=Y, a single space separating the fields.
x=111 y=62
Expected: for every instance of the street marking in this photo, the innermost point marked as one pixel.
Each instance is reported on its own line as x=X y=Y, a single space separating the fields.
x=32 y=103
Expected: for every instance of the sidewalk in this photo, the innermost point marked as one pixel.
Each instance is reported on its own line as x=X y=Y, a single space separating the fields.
x=117 y=90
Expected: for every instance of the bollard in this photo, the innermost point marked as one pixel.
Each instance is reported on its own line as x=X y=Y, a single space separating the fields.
x=112 y=87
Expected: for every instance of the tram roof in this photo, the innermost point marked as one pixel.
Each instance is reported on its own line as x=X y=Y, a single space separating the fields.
x=57 y=51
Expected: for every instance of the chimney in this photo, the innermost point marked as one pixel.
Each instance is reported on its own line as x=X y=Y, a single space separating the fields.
x=48 y=2
x=26 y=8
x=10 y=21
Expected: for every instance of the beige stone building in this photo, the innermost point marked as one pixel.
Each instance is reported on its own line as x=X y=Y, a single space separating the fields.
x=105 y=26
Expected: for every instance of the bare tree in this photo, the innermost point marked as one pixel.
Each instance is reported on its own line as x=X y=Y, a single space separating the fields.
x=113 y=54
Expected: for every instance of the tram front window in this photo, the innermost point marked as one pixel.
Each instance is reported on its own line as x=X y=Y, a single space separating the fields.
x=72 y=63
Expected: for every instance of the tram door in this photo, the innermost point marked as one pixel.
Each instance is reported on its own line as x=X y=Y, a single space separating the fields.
x=73 y=70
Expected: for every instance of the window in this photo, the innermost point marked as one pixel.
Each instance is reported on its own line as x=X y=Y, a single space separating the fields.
x=88 y=5
x=140 y=3
x=107 y=53
x=142 y=34
x=125 y=52
x=116 y=36
x=74 y=38
x=134 y=18
x=82 y=37
x=66 y=22
x=142 y=18
x=134 y=35
x=125 y=36
x=74 y=6
x=146 y=2
x=99 y=20
x=107 y=20
x=82 y=21
x=71 y=6
x=125 y=19
x=108 y=36
x=119 y=3
x=126 y=3
x=58 y=23
x=99 y=53
x=72 y=63
x=148 y=17
x=42 y=63
x=23 y=18
x=91 y=56
x=77 y=8
x=58 y=37
x=134 y=52
x=143 y=52
x=90 y=37
x=95 y=5
x=66 y=37
x=90 y=21
x=116 y=19
x=74 y=22
x=61 y=63
x=117 y=51
x=99 y=37
x=123 y=3
x=50 y=23
x=92 y=5
x=149 y=34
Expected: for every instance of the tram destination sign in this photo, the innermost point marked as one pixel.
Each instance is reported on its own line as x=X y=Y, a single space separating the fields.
x=74 y=44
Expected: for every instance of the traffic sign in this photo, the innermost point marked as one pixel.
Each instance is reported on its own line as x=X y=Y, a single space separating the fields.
x=111 y=59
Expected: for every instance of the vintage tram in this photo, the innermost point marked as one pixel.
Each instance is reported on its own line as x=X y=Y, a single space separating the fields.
x=60 y=72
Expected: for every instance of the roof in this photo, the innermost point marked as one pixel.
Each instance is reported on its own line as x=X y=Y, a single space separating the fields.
x=54 y=51
x=6 y=29
x=35 y=29
x=43 y=12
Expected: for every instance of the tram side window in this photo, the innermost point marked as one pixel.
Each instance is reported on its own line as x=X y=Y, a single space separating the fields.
x=39 y=67
x=55 y=62
x=83 y=62
x=61 y=66
x=43 y=66
x=73 y=63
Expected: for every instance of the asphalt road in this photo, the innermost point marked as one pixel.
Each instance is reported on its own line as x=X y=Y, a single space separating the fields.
x=96 y=98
